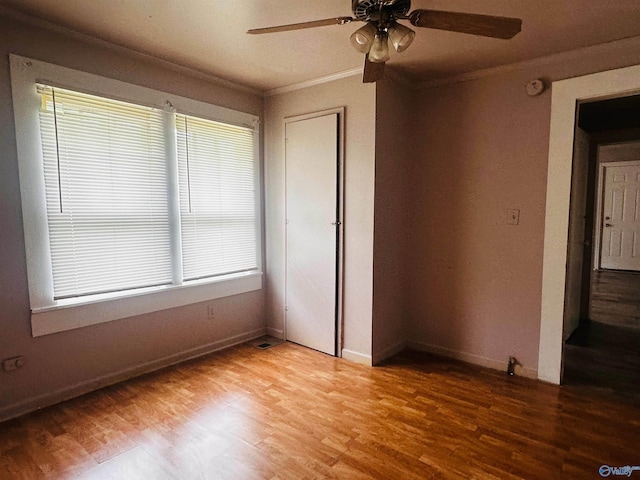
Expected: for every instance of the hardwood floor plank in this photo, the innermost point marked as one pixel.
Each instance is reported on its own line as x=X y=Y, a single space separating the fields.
x=135 y=464
x=615 y=298
x=16 y=463
x=293 y=413
x=604 y=356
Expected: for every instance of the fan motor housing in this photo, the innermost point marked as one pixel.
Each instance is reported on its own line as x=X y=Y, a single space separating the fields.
x=363 y=9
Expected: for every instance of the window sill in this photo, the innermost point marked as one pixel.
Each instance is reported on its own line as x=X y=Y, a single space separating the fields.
x=75 y=313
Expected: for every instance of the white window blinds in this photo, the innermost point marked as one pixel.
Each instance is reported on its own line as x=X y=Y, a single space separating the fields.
x=217 y=178
x=106 y=193
x=107 y=165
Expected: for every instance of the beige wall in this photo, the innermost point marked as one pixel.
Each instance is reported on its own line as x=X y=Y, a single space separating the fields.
x=359 y=103
x=475 y=281
x=619 y=152
x=67 y=363
x=482 y=148
x=392 y=222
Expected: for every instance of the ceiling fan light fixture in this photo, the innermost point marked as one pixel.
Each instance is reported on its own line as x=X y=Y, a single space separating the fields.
x=362 y=39
x=401 y=37
x=379 y=52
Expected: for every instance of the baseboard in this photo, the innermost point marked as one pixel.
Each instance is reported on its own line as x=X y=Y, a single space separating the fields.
x=389 y=352
x=51 y=398
x=472 y=358
x=356 y=357
x=275 y=332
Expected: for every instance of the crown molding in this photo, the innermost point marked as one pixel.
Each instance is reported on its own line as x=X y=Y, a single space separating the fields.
x=131 y=52
x=313 y=82
x=556 y=58
x=397 y=76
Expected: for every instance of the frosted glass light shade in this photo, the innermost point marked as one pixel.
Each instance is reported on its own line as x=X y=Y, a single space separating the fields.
x=362 y=39
x=379 y=52
x=401 y=37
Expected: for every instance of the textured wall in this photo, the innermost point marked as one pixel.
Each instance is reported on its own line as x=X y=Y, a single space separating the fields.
x=392 y=223
x=482 y=148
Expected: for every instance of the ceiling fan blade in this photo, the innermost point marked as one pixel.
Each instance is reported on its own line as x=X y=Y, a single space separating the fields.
x=485 y=25
x=372 y=71
x=299 y=26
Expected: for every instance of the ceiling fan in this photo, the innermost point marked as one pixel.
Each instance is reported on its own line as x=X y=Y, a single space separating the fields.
x=381 y=27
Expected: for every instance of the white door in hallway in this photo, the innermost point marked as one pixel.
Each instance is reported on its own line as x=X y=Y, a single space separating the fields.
x=620 y=222
x=311 y=164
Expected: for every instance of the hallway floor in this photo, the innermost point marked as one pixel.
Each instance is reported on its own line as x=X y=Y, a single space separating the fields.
x=615 y=298
x=603 y=356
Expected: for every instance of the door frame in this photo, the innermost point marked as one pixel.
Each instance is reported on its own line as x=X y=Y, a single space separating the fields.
x=339 y=319
x=566 y=95
x=600 y=206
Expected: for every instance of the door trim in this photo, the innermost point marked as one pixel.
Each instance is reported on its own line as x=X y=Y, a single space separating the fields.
x=339 y=317
x=600 y=206
x=565 y=97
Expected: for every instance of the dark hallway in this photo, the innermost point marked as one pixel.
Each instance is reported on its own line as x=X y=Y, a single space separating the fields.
x=604 y=356
x=604 y=351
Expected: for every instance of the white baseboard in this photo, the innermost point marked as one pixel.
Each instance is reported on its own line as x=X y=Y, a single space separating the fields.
x=275 y=332
x=472 y=358
x=389 y=352
x=57 y=396
x=356 y=357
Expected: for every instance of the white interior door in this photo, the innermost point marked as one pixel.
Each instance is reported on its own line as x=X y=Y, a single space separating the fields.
x=311 y=163
x=620 y=223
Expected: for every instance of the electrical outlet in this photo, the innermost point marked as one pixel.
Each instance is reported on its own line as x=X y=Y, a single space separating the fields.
x=211 y=311
x=11 y=364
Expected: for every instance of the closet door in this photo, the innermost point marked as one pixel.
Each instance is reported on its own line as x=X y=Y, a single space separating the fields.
x=312 y=213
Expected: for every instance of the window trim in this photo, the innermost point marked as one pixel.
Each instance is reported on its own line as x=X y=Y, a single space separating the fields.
x=51 y=316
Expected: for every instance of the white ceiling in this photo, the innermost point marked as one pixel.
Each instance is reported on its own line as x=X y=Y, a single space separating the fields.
x=209 y=35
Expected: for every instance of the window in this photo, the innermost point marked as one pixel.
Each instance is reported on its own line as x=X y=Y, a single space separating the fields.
x=106 y=188
x=217 y=197
x=133 y=200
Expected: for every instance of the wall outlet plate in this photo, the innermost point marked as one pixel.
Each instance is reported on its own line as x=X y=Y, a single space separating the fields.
x=13 y=363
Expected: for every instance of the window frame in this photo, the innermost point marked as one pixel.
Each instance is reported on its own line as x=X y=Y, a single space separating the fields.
x=49 y=315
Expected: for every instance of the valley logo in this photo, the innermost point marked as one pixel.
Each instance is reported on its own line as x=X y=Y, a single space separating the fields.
x=626 y=471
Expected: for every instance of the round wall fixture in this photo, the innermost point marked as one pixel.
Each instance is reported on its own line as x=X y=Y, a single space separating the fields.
x=535 y=87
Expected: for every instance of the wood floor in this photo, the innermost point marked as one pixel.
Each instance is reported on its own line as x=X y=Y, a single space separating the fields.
x=292 y=413
x=604 y=351
x=603 y=356
x=615 y=298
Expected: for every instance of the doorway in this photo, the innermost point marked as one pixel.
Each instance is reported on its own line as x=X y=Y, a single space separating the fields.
x=313 y=218
x=603 y=345
x=565 y=96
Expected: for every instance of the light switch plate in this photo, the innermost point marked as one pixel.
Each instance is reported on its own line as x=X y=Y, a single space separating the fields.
x=513 y=217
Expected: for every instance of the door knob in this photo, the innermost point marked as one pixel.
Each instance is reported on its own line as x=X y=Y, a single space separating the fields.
x=608 y=225
x=336 y=223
